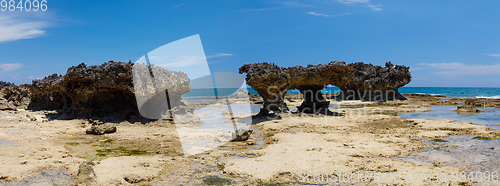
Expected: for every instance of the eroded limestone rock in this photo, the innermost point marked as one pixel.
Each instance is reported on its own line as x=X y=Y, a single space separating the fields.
x=271 y=82
x=312 y=79
x=374 y=83
x=107 y=92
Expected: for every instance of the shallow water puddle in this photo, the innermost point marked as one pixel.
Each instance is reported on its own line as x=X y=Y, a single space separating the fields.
x=45 y=178
x=217 y=127
x=446 y=112
x=460 y=151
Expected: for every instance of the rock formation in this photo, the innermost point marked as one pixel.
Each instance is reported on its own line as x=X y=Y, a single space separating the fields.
x=374 y=83
x=357 y=81
x=312 y=79
x=13 y=97
x=271 y=82
x=105 y=92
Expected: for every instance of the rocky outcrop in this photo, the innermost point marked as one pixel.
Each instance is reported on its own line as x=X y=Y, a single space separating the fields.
x=483 y=102
x=374 y=83
x=312 y=79
x=469 y=109
x=107 y=92
x=13 y=97
x=357 y=81
x=271 y=82
x=88 y=92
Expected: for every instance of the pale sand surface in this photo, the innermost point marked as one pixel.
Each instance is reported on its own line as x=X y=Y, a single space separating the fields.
x=357 y=141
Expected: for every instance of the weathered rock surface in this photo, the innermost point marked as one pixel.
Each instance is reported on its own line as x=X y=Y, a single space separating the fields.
x=100 y=128
x=271 y=82
x=469 y=109
x=13 y=97
x=242 y=135
x=88 y=92
x=357 y=81
x=311 y=79
x=483 y=102
x=107 y=92
x=374 y=83
x=86 y=175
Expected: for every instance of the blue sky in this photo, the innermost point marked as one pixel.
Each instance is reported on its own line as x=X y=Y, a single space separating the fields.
x=446 y=43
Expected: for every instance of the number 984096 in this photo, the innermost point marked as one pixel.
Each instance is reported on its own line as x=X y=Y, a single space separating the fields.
x=23 y=5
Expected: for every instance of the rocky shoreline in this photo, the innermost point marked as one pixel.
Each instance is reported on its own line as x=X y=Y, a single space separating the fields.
x=46 y=127
x=151 y=154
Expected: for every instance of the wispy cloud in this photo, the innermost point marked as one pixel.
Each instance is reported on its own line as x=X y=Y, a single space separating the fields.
x=493 y=55
x=290 y=3
x=219 y=55
x=353 y=1
x=260 y=9
x=10 y=66
x=375 y=7
x=325 y=15
x=284 y=4
x=13 y=28
x=456 y=68
x=366 y=2
x=178 y=6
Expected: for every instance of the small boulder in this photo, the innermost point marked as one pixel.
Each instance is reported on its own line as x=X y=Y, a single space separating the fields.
x=100 y=128
x=241 y=135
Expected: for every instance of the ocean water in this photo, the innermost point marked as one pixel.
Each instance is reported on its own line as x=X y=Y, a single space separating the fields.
x=462 y=92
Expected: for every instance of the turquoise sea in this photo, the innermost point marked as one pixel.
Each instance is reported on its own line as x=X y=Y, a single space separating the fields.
x=463 y=92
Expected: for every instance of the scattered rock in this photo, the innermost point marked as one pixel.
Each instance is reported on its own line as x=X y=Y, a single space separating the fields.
x=242 y=135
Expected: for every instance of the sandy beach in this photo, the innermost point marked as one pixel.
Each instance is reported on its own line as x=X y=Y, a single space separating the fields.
x=292 y=149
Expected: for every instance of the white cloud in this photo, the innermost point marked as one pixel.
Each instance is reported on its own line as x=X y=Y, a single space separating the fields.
x=325 y=15
x=456 y=68
x=493 y=55
x=10 y=66
x=219 y=55
x=178 y=6
x=12 y=29
x=366 y=2
x=375 y=7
